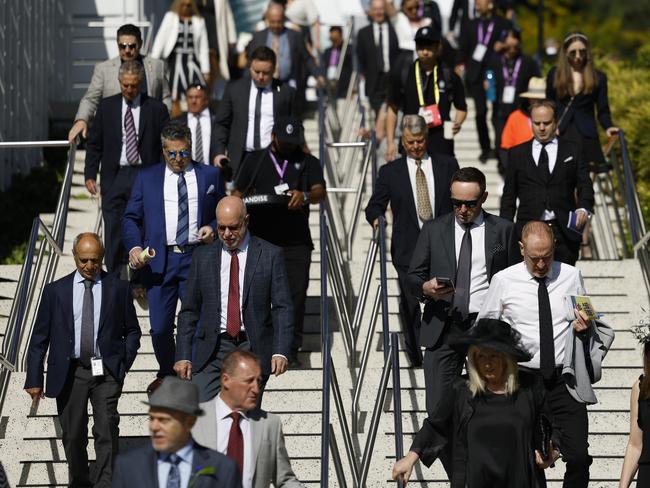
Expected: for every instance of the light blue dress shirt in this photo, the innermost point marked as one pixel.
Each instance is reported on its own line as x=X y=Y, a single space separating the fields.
x=186 y=453
x=284 y=59
x=78 y=290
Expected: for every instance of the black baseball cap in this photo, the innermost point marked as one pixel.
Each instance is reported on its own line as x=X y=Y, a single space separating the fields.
x=428 y=35
x=289 y=130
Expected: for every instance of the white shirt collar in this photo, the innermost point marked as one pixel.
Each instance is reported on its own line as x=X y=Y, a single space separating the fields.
x=243 y=245
x=188 y=169
x=425 y=159
x=267 y=88
x=552 y=142
x=478 y=221
x=79 y=279
x=204 y=113
x=224 y=411
x=134 y=104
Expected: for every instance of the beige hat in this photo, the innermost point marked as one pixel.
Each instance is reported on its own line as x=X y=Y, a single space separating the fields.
x=536 y=89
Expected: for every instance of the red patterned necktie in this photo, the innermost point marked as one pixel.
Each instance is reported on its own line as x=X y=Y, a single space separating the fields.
x=235 y=450
x=233 y=321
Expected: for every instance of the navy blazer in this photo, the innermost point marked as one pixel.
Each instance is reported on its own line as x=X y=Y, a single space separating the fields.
x=143 y=223
x=394 y=185
x=266 y=305
x=105 y=139
x=581 y=111
x=435 y=256
x=139 y=467
x=118 y=337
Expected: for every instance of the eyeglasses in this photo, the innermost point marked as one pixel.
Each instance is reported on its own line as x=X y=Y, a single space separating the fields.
x=124 y=46
x=574 y=53
x=467 y=203
x=183 y=154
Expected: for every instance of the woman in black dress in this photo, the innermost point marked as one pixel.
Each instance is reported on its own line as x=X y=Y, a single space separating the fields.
x=495 y=424
x=637 y=452
x=580 y=91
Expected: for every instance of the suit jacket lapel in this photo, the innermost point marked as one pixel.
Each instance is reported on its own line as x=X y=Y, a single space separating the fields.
x=215 y=271
x=107 y=299
x=153 y=466
x=144 y=112
x=66 y=303
x=559 y=160
x=449 y=242
x=257 y=432
x=275 y=88
x=491 y=240
x=439 y=183
x=406 y=183
x=201 y=189
x=253 y=256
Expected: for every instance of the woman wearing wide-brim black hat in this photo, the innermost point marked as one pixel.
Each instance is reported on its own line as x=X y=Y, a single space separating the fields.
x=496 y=429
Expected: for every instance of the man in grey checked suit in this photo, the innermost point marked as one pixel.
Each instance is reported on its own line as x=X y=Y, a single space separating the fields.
x=104 y=81
x=236 y=297
x=256 y=441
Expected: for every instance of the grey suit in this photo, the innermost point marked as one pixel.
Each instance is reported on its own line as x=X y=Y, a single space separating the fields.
x=270 y=458
x=266 y=306
x=104 y=83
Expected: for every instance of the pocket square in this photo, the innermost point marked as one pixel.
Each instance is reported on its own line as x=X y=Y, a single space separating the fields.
x=210 y=190
x=498 y=248
x=570 y=158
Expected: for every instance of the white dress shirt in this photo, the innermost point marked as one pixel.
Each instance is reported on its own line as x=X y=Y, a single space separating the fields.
x=479 y=279
x=135 y=110
x=186 y=455
x=170 y=195
x=224 y=275
x=78 y=290
x=427 y=167
x=266 y=120
x=384 y=37
x=551 y=150
x=224 y=422
x=206 y=133
x=512 y=297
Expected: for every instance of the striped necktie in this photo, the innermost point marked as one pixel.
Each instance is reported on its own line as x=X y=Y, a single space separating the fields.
x=199 y=141
x=183 y=227
x=131 y=136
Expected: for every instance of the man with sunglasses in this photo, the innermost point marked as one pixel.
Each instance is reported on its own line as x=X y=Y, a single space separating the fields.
x=104 y=81
x=169 y=214
x=454 y=260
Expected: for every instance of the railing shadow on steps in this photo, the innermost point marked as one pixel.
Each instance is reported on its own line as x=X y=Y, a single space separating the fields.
x=44 y=248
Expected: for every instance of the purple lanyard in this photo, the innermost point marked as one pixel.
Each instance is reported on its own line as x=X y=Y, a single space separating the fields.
x=334 y=57
x=281 y=170
x=488 y=35
x=511 y=80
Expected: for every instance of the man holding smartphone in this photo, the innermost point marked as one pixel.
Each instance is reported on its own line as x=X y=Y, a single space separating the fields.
x=455 y=257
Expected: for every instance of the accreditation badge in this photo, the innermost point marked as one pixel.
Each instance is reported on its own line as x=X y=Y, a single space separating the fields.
x=508 y=96
x=479 y=52
x=431 y=114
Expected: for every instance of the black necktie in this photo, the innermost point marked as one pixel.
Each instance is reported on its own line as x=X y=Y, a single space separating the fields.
x=546 y=345
x=542 y=163
x=464 y=273
x=257 y=144
x=87 y=342
x=380 y=49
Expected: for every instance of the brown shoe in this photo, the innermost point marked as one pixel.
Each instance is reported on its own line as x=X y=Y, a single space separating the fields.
x=153 y=386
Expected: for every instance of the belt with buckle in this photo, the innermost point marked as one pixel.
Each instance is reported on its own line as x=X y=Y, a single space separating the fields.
x=182 y=249
x=241 y=337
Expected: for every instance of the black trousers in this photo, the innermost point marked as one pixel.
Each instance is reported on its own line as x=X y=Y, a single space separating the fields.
x=410 y=318
x=297 y=260
x=72 y=406
x=571 y=421
x=477 y=92
x=113 y=206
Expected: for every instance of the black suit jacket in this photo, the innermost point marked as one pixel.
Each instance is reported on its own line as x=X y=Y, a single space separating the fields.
x=231 y=125
x=393 y=185
x=569 y=188
x=118 y=337
x=468 y=41
x=367 y=54
x=346 y=70
x=213 y=132
x=105 y=139
x=267 y=309
x=435 y=256
x=527 y=70
x=139 y=467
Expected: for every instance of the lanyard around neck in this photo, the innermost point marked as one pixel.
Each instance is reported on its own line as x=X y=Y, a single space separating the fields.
x=485 y=39
x=418 y=84
x=511 y=79
x=278 y=169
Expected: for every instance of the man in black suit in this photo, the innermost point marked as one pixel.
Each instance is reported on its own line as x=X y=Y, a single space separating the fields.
x=295 y=63
x=173 y=458
x=261 y=99
x=87 y=322
x=253 y=312
x=330 y=60
x=552 y=183
x=124 y=137
x=377 y=48
x=201 y=120
x=417 y=188
x=465 y=247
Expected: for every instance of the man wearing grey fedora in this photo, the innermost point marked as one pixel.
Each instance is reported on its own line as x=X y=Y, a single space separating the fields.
x=173 y=459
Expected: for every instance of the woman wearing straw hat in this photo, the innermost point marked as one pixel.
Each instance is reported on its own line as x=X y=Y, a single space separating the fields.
x=496 y=425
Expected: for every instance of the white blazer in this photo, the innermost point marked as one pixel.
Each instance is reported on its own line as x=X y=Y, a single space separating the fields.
x=226 y=34
x=167 y=35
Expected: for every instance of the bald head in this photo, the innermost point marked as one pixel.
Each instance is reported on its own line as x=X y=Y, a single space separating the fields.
x=88 y=252
x=537 y=246
x=232 y=221
x=275 y=17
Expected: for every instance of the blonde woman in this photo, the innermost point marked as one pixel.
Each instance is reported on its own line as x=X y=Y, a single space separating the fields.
x=491 y=424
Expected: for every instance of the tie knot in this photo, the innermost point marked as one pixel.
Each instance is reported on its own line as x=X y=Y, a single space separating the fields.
x=88 y=284
x=540 y=280
x=418 y=162
x=174 y=459
x=467 y=227
x=236 y=417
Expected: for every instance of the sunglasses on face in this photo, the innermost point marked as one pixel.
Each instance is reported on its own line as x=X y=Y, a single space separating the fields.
x=467 y=203
x=574 y=54
x=183 y=154
x=124 y=46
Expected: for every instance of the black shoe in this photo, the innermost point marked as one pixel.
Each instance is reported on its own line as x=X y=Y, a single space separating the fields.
x=483 y=157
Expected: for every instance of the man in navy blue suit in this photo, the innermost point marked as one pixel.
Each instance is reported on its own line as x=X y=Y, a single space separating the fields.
x=171 y=211
x=87 y=321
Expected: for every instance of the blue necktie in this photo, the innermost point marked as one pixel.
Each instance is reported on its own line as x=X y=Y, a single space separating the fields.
x=183 y=227
x=174 y=477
